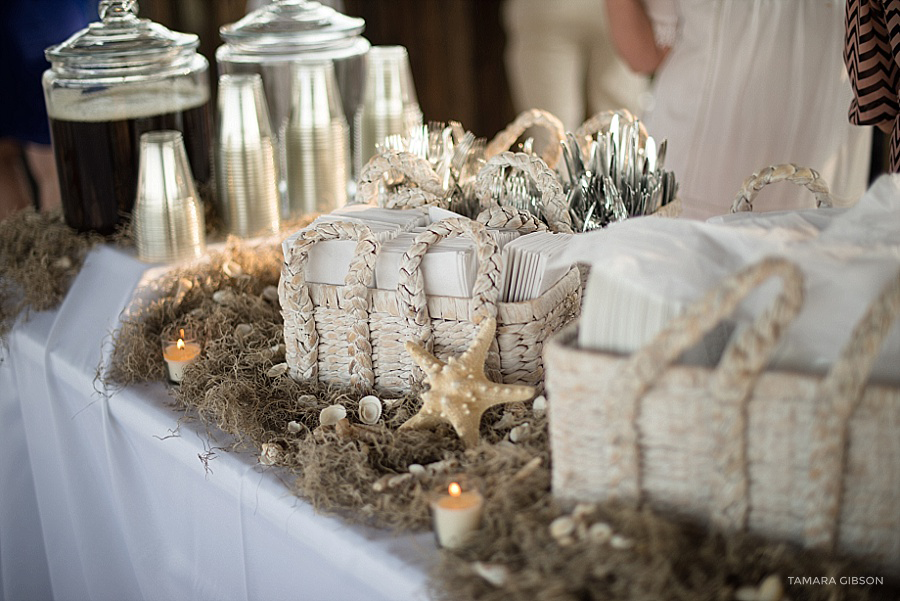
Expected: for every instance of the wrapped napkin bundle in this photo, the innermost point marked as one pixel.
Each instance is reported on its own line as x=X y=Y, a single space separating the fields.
x=645 y=271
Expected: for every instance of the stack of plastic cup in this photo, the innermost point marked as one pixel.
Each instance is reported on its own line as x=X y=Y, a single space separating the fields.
x=168 y=223
x=246 y=176
x=317 y=143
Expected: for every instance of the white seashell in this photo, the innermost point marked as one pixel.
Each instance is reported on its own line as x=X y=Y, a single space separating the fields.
x=232 y=269
x=391 y=403
x=539 y=407
x=269 y=453
x=270 y=293
x=520 y=433
x=277 y=370
x=293 y=426
x=242 y=330
x=746 y=593
x=63 y=263
x=444 y=465
x=562 y=527
x=620 y=542
x=771 y=589
x=369 y=409
x=308 y=399
x=495 y=573
x=600 y=533
x=332 y=414
x=417 y=469
x=504 y=422
x=582 y=510
x=223 y=297
x=399 y=479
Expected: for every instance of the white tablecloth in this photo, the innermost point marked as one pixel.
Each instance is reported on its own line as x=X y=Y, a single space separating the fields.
x=99 y=500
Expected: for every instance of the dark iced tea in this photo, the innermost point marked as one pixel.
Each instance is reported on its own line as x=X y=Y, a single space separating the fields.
x=98 y=163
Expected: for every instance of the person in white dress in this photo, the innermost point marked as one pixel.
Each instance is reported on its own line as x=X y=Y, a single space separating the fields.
x=559 y=58
x=741 y=85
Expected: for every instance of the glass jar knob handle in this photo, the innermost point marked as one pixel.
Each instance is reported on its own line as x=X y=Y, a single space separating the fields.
x=117 y=9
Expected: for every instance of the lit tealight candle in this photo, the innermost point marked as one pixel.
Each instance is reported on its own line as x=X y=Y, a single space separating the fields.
x=456 y=514
x=179 y=353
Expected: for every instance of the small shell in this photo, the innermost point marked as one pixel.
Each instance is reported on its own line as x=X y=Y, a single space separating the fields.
x=444 y=465
x=269 y=453
x=620 y=542
x=504 y=422
x=307 y=399
x=63 y=263
x=495 y=573
x=562 y=527
x=232 y=269
x=223 y=297
x=771 y=589
x=391 y=403
x=270 y=293
x=332 y=414
x=582 y=510
x=242 y=330
x=369 y=409
x=293 y=426
x=600 y=533
x=399 y=479
x=746 y=593
x=277 y=370
x=539 y=407
x=520 y=433
x=417 y=469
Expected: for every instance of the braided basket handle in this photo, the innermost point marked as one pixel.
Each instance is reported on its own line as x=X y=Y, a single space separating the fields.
x=299 y=313
x=547 y=182
x=428 y=188
x=411 y=284
x=732 y=383
x=510 y=218
x=802 y=176
x=600 y=123
x=504 y=140
x=839 y=394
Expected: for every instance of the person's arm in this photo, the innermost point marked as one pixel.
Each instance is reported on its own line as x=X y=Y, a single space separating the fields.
x=632 y=34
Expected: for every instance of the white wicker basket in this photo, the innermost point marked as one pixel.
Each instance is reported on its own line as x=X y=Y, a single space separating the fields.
x=355 y=335
x=800 y=457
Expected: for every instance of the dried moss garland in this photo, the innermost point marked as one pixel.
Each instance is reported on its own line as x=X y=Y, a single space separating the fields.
x=39 y=257
x=382 y=477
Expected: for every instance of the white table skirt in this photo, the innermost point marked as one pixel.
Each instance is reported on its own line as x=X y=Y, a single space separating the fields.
x=98 y=500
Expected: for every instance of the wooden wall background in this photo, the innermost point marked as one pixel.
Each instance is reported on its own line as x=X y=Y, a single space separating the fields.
x=455 y=48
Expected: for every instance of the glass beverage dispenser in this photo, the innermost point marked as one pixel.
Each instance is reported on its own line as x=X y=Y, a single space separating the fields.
x=283 y=36
x=108 y=84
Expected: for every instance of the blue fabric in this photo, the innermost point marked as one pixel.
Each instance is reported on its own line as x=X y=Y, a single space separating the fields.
x=27 y=28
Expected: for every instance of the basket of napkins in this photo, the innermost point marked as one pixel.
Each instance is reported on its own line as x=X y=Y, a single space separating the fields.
x=358 y=283
x=785 y=423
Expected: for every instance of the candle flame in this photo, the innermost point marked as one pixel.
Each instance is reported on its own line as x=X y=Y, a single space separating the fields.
x=454 y=489
x=180 y=344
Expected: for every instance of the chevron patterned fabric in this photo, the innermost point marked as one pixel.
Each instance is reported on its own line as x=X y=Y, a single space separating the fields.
x=872 y=48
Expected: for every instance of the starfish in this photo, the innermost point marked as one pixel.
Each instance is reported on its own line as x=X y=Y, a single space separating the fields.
x=459 y=391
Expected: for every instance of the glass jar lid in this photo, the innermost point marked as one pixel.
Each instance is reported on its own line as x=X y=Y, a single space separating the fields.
x=121 y=41
x=286 y=26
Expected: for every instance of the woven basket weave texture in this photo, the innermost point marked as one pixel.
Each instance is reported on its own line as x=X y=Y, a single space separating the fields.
x=800 y=457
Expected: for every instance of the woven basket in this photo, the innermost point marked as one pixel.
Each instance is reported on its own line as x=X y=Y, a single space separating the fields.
x=799 y=457
x=354 y=335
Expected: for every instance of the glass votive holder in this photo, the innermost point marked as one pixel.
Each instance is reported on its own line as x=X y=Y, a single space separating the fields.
x=456 y=509
x=180 y=348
